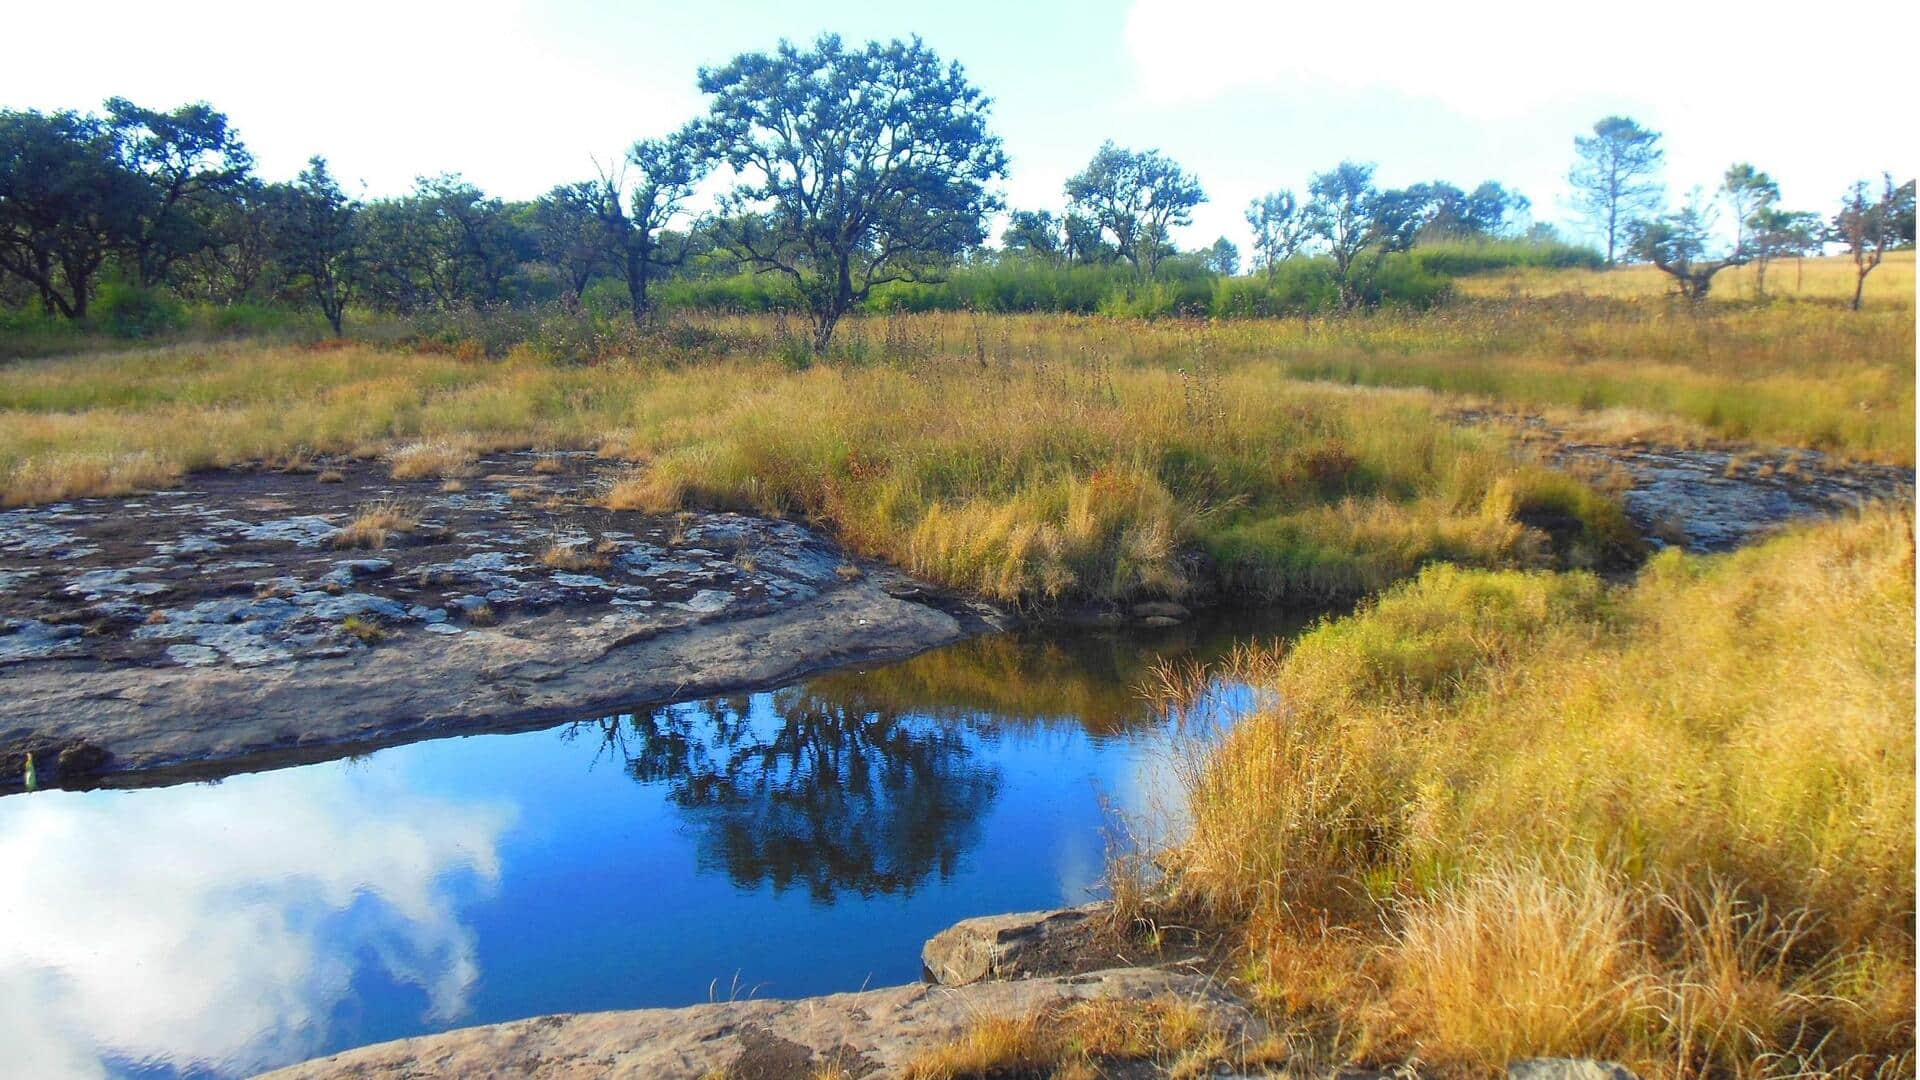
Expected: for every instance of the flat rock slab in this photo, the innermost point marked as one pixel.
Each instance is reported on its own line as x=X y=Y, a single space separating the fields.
x=1716 y=498
x=873 y=1034
x=221 y=624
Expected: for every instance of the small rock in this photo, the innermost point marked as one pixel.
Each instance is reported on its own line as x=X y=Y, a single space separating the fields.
x=999 y=946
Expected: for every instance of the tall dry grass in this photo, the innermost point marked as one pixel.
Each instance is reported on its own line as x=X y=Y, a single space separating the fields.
x=1026 y=482
x=1502 y=815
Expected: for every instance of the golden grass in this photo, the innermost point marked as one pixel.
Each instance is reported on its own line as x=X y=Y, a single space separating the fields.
x=1077 y=1039
x=430 y=459
x=1500 y=815
x=375 y=524
x=1081 y=458
x=573 y=558
x=1829 y=279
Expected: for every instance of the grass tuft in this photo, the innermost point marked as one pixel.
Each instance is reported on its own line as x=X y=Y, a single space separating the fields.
x=376 y=523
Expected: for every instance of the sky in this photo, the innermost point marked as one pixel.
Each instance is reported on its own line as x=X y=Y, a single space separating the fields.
x=1251 y=96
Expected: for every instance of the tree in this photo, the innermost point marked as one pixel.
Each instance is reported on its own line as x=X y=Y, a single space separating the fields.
x=664 y=173
x=571 y=234
x=317 y=226
x=1748 y=191
x=1223 y=258
x=1868 y=226
x=1359 y=224
x=66 y=204
x=444 y=244
x=1279 y=226
x=1613 y=176
x=1491 y=210
x=1680 y=244
x=1081 y=241
x=1139 y=197
x=1773 y=233
x=1032 y=232
x=238 y=260
x=190 y=161
x=858 y=166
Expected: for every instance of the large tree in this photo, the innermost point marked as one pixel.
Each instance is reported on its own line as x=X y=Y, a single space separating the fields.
x=67 y=204
x=190 y=163
x=1682 y=246
x=1138 y=197
x=1615 y=176
x=1359 y=224
x=317 y=226
x=858 y=166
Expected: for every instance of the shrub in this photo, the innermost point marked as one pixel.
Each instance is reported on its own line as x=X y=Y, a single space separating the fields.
x=130 y=311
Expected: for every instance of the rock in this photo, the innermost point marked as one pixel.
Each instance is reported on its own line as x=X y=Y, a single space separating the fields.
x=31 y=639
x=1568 y=1069
x=872 y=1034
x=1159 y=621
x=1161 y=609
x=1005 y=946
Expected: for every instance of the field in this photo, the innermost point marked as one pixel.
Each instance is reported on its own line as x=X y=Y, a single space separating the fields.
x=1031 y=458
x=1510 y=807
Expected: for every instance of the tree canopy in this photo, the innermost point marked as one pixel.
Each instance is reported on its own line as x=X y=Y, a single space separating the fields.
x=857 y=166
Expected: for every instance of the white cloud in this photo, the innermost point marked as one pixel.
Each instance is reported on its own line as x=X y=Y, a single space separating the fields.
x=191 y=925
x=387 y=89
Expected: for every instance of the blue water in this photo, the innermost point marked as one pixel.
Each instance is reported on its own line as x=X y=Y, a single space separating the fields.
x=779 y=844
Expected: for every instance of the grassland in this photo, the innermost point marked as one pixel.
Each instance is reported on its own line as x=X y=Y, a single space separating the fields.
x=1031 y=458
x=1498 y=815
x=1502 y=811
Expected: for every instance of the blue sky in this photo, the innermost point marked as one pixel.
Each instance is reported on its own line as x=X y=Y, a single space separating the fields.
x=519 y=95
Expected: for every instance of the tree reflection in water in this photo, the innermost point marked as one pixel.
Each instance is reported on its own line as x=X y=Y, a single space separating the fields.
x=792 y=789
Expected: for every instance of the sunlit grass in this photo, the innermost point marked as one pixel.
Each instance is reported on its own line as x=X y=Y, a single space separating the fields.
x=1501 y=815
x=1829 y=278
x=1026 y=482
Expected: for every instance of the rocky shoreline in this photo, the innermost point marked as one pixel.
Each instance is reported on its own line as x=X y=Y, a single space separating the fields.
x=226 y=626
x=1001 y=967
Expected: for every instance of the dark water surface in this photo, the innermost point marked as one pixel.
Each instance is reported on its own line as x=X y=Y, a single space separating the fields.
x=777 y=844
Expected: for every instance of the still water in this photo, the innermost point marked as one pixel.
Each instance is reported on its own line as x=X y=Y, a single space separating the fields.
x=778 y=844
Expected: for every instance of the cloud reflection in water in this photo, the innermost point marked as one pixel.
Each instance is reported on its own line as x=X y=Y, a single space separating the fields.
x=220 y=926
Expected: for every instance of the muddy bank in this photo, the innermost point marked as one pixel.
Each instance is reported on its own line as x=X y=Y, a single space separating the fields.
x=226 y=621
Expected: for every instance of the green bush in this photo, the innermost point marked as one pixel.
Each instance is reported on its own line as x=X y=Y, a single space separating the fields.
x=1458 y=258
x=130 y=311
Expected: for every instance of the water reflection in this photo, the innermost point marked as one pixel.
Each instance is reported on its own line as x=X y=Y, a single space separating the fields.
x=219 y=927
x=1040 y=676
x=802 y=841
x=800 y=789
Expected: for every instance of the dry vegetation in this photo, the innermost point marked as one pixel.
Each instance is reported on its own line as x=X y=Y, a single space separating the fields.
x=1501 y=815
x=374 y=524
x=1081 y=1039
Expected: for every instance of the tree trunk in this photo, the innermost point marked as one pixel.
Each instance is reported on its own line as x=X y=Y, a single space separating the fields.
x=1859 y=286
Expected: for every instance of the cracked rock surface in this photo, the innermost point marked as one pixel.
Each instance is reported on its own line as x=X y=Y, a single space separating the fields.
x=224 y=620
